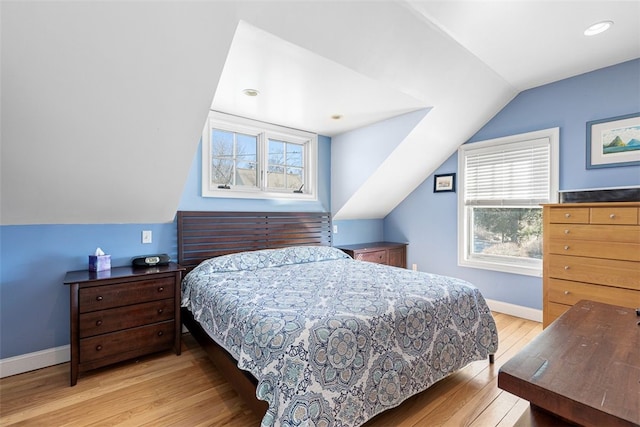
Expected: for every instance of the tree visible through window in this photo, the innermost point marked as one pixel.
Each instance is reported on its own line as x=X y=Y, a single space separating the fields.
x=508 y=231
x=249 y=159
x=234 y=158
x=286 y=165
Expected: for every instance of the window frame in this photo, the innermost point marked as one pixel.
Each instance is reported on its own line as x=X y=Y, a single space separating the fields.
x=263 y=132
x=516 y=265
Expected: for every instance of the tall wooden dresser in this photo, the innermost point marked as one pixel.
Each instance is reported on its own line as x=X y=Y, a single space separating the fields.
x=591 y=251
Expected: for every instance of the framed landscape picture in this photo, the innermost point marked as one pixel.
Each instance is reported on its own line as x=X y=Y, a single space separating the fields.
x=613 y=142
x=444 y=183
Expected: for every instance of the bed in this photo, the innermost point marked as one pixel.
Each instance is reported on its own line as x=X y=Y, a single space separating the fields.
x=317 y=337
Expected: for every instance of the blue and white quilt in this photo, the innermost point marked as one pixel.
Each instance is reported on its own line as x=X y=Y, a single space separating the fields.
x=333 y=341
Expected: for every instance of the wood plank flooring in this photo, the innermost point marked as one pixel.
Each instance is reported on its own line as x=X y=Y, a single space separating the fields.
x=187 y=390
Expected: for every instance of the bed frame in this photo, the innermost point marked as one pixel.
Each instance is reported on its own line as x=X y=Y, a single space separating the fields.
x=204 y=235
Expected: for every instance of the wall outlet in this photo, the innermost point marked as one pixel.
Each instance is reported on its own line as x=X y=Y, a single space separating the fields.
x=414 y=267
x=147 y=236
x=335 y=229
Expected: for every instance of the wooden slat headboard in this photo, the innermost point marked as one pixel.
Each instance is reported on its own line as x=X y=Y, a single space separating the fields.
x=204 y=235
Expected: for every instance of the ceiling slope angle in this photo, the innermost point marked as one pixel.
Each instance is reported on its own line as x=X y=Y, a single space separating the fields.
x=119 y=92
x=532 y=42
x=302 y=89
x=464 y=94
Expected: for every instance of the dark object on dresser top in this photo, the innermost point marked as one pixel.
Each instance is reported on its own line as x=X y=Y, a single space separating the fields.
x=611 y=195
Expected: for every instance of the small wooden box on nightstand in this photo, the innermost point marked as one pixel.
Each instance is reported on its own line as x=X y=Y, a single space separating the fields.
x=122 y=313
x=388 y=253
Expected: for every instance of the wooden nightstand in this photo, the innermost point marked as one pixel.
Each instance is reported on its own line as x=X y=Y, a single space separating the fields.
x=123 y=313
x=388 y=253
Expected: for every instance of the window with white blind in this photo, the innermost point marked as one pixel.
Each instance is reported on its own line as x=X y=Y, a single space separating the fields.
x=502 y=183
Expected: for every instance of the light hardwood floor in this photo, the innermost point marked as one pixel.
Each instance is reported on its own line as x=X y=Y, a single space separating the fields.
x=186 y=390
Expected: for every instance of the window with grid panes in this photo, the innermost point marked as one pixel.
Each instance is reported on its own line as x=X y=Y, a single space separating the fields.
x=243 y=158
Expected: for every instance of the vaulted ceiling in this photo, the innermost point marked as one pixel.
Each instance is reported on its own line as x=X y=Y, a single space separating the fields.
x=103 y=102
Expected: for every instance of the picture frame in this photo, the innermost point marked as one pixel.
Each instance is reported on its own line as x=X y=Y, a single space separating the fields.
x=613 y=142
x=444 y=183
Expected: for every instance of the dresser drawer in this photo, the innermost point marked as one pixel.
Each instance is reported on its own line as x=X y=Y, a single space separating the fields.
x=554 y=310
x=569 y=293
x=569 y=215
x=146 y=339
x=614 y=215
x=131 y=316
x=595 y=249
x=103 y=297
x=623 y=274
x=603 y=233
x=373 y=256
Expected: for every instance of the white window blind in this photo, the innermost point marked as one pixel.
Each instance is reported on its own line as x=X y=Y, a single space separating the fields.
x=503 y=183
x=516 y=174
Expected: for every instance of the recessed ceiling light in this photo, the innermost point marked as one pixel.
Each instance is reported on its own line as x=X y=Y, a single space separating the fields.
x=336 y=116
x=251 y=92
x=597 y=28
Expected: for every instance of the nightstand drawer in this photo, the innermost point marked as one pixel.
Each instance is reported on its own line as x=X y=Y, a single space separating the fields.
x=147 y=339
x=115 y=319
x=103 y=297
x=374 y=256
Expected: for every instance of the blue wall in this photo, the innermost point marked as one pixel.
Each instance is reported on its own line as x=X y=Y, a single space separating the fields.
x=428 y=221
x=34 y=304
x=358 y=231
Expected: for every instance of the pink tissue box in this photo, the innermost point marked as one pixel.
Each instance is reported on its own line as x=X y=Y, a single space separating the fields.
x=99 y=262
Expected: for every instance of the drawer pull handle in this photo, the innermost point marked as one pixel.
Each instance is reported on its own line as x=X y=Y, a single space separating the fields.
x=567 y=215
x=160 y=333
x=99 y=298
x=612 y=216
x=567 y=292
x=566 y=248
x=160 y=289
x=566 y=231
x=98 y=347
x=98 y=322
x=566 y=267
x=160 y=311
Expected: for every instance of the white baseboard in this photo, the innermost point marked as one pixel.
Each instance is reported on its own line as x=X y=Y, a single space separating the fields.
x=515 y=310
x=36 y=360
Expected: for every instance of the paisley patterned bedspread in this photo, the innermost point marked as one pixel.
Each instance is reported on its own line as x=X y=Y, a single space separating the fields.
x=333 y=341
